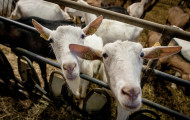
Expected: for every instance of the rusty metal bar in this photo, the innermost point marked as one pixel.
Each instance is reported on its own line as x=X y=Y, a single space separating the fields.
x=124 y=18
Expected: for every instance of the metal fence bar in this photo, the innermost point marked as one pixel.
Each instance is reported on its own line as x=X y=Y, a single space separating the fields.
x=35 y=56
x=172 y=78
x=158 y=73
x=125 y=18
x=165 y=110
x=145 y=101
x=18 y=24
x=94 y=80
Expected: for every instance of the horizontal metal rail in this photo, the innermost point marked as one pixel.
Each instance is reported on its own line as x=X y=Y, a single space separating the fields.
x=125 y=18
x=157 y=73
x=18 y=24
x=35 y=56
x=145 y=101
x=165 y=110
x=172 y=78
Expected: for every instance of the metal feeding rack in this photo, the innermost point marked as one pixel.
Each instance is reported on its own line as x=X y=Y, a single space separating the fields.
x=167 y=34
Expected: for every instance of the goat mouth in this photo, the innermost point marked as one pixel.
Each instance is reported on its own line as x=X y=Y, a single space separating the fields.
x=133 y=106
x=71 y=76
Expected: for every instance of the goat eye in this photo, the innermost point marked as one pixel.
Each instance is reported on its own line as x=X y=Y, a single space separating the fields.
x=104 y=55
x=82 y=36
x=142 y=54
x=50 y=40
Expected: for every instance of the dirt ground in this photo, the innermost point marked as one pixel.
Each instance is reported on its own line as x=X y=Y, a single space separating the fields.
x=156 y=90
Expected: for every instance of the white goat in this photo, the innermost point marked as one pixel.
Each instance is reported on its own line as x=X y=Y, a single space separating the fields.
x=137 y=9
x=71 y=65
x=5 y=7
x=110 y=30
x=123 y=64
x=38 y=8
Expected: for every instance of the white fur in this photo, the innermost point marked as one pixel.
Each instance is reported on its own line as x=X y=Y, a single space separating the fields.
x=123 y=68
x=137 y=9
x=185 y=51
x=38 y=8
x=110 y=30
x=64 y=36
x=123 y=63
x=185 y=45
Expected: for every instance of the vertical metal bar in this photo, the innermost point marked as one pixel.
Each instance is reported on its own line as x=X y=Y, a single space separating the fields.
x=164 y=41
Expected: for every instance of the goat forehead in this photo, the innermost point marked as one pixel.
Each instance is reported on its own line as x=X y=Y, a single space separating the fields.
x=123 y=48
x=68 y=31
x=67 y=35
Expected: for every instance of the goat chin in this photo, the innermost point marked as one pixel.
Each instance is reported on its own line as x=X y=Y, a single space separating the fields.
x=74 y=86
x=131 y=106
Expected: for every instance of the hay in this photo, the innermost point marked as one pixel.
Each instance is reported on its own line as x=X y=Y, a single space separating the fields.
x=156 y=90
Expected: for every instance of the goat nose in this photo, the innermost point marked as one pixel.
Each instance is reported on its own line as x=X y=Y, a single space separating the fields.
x=132 y=93
x=69 y=67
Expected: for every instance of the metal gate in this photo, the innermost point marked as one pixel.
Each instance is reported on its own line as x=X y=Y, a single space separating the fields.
x=167 y=34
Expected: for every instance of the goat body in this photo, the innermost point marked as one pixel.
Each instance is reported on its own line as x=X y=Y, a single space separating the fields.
x=177 y=17
x=110 y=30
x=38 y=8
x=16 y=37
x=96 y=3
x=137 y=9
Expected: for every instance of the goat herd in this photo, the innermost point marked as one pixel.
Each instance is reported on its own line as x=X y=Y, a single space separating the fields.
x=105 y=47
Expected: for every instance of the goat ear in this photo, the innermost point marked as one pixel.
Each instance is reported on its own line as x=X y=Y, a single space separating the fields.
x=85 y=52
x=160 y=51
x=44 y=32
x=92 y=27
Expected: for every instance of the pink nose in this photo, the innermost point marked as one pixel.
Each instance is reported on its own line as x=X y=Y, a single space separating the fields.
x=132 y=93
x=69 y=67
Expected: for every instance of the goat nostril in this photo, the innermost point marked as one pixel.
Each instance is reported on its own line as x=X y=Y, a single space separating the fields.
x=69 y=67
x=64 y=67
x=132 y=93
x=125 y=92
x=74 y=66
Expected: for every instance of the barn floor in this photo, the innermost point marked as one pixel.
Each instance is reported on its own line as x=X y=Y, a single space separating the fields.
x=156 y=90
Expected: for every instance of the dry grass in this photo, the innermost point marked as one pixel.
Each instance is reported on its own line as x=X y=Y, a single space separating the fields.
x=156 y=90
